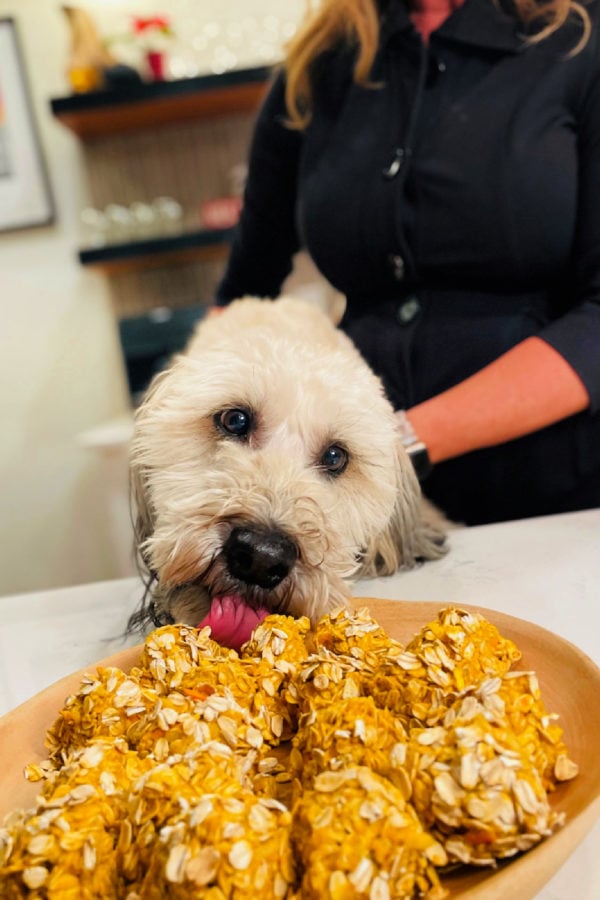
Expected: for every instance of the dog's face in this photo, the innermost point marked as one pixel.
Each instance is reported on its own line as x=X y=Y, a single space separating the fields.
x=266 y=466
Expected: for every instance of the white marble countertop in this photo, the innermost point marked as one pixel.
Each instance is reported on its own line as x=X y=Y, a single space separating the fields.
x=545 y=570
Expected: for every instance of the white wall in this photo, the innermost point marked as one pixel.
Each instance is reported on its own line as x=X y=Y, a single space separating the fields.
x=61 y=371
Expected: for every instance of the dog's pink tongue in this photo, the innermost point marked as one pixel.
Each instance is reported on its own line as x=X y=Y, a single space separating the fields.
x=232 y=621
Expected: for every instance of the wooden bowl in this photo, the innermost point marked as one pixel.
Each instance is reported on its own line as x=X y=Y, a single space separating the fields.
x=570 y=684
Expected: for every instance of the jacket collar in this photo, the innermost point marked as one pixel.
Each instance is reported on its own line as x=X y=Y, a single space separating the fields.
x=489 y=24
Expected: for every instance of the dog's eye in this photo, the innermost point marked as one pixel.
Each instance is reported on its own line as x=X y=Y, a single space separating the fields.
x=237 y=422
x=334 y=459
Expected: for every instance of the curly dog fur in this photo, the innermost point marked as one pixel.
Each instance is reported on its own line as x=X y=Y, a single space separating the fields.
x=265 y=462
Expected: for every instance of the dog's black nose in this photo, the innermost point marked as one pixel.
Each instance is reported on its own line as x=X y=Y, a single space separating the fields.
x=259 y=556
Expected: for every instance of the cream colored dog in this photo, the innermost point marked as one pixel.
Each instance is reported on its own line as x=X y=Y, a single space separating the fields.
x=266 y=466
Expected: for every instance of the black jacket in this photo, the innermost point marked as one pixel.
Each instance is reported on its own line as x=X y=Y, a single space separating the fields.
x=456 y=204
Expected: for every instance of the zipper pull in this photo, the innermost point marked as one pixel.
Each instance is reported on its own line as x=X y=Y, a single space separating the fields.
x=394 y=167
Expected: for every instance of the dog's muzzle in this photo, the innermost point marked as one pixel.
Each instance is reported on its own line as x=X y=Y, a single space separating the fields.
x=259 y=556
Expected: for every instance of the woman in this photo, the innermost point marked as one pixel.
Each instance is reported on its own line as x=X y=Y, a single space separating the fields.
x=441 y=166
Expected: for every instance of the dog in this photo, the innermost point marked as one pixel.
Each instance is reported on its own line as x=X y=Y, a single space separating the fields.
x=266 y=466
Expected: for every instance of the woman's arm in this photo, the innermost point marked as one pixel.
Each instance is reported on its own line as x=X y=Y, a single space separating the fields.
x=266 y=238
x=528 y=388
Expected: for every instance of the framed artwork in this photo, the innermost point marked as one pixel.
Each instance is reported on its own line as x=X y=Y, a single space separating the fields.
x=25 y=196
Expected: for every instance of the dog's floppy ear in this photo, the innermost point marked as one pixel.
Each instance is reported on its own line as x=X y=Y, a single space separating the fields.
x=143 y=519
x=142 y=514
x=143 y=527
x=409 y=537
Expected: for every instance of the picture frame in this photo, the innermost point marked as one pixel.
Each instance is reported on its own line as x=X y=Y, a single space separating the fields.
x=25 y=195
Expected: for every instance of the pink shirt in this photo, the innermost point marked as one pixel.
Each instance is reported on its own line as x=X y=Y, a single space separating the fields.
x=427 y=15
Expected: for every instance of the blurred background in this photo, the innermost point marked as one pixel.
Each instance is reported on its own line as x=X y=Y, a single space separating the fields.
x=131 y=160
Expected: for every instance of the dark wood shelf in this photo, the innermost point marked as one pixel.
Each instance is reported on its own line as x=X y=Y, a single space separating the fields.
x=149 y=105
x=177 y=249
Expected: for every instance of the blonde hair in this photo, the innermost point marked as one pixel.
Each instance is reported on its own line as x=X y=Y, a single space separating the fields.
x=356 y=22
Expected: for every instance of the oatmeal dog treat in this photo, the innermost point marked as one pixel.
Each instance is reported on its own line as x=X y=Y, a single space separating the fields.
x=250 y=688
x=356 y=634
x=211 y=829
x=460 y=649
x=152 y=722
x=65 y=846
x=102 y=821
x=348 y=650
x=274 y=656
x=356 y=836
x=186 y=691
x=457 y=650
x=326 y=678
x=348 y=733
x=223 y=846
x=476 y=788
x=518 y=700
x=281 y=642
x=173 y=652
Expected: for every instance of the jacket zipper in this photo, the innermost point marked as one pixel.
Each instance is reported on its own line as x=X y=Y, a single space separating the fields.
x=402 y=154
